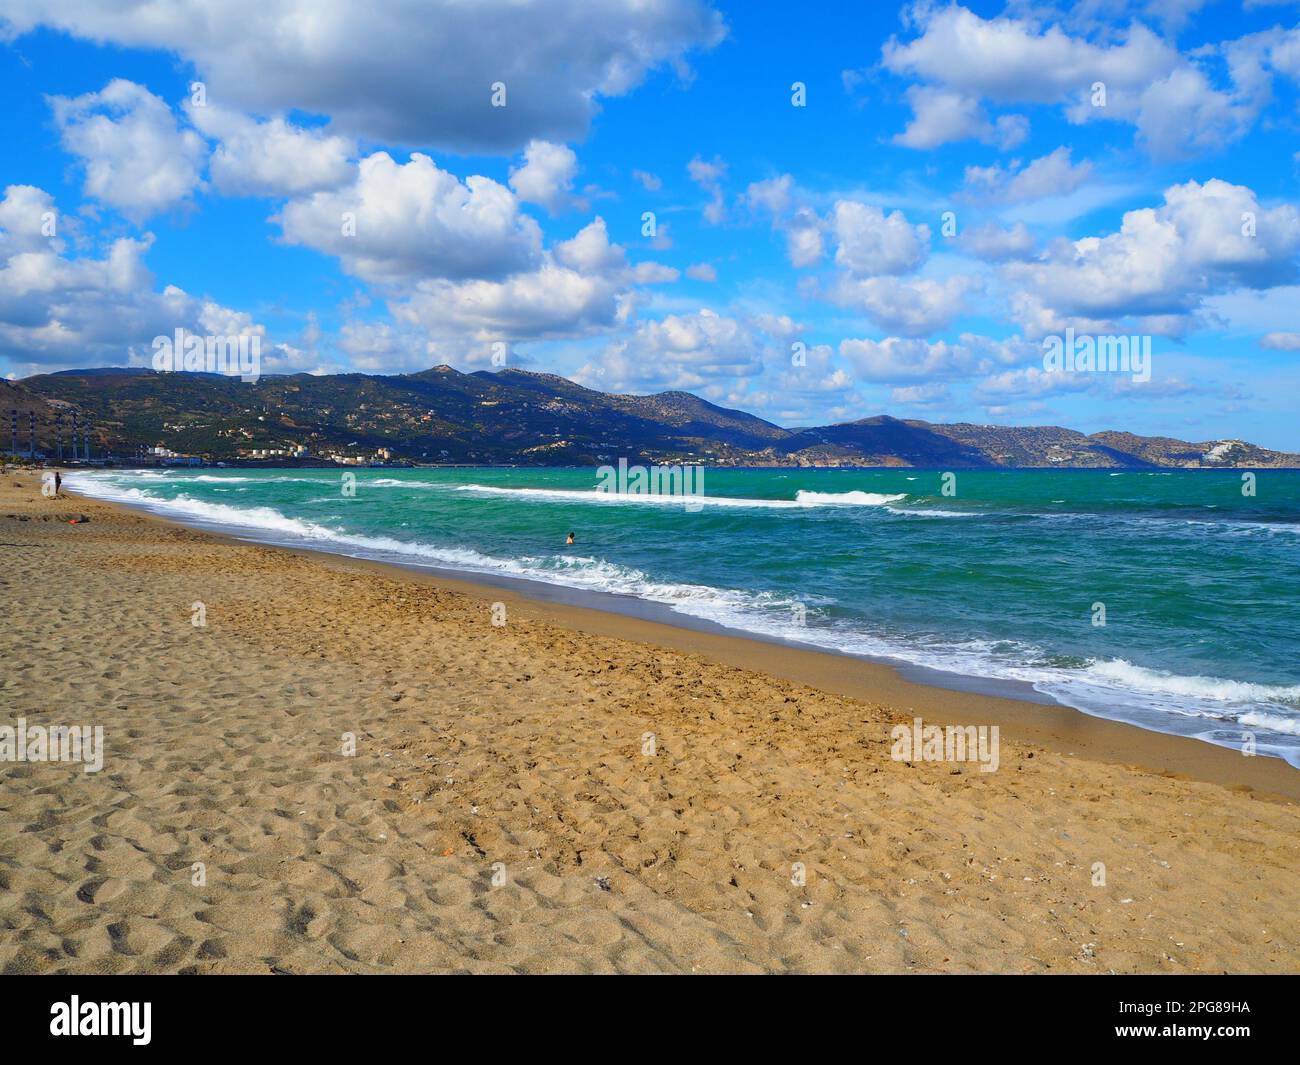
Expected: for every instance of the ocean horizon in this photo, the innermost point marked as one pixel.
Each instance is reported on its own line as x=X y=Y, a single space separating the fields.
x=1160 y=598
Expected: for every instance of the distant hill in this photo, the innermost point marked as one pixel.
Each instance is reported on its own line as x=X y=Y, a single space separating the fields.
x=514 y=416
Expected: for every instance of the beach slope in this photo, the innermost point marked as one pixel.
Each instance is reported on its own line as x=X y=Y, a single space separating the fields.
x=351 y=769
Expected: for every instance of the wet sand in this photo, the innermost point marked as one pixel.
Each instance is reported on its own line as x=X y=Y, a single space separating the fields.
x=570 y=791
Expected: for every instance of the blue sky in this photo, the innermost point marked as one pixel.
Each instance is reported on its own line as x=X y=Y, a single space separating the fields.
x=961 y=183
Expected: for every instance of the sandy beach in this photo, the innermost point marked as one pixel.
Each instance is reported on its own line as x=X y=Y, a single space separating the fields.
x=351 y=768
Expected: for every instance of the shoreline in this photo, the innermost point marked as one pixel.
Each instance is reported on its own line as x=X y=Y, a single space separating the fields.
x=1027 y=716
x=348 y=767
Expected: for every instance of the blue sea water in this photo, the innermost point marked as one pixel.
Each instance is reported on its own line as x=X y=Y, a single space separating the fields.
x=1004 y=580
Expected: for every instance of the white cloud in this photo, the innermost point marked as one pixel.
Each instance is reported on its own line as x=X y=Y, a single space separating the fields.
x=1011 y=60
x=1280 y=341
x=900 y=359
x=1182 y=114
x=709 y=176
x=964 y=59
x=1031 y=382
x=934 y=395
x=60 y=312
x=381 y=347
x=912 y=308
x=780 y=326
x=807 y=387
x=414 y=220
x=684 y=351
x=702 y=272
x=271 y=158
x=802 y=226
x=24 y=214
x=590 y=250
x=940 y=116
x=903 y=360
x=394 y=74
x=135 y=157
x=869 y=242
x=805 y=245
x=650 y=273
x=993 y=243
x=1162 y=263
x=1050 y=175
x=773 y=195
x=546 y=177
x=578 y=288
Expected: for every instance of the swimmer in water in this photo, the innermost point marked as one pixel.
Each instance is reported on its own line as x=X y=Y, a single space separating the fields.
x=569 y=540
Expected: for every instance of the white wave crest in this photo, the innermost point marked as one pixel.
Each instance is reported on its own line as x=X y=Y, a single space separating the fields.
x=1215 y=689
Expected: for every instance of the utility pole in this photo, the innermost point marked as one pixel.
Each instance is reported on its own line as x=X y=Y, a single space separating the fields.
x=31 y=433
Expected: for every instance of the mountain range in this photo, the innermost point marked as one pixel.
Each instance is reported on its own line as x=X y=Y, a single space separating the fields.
x=512 y=416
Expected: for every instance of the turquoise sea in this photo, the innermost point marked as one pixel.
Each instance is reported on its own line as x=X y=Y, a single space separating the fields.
x=1004 y=581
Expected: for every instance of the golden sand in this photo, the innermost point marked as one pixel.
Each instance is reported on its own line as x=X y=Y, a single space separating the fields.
x=500 y=813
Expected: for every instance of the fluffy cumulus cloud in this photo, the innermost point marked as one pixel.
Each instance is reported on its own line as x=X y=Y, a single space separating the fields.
x=874 y=254
x=271 y=158
x=402 y=221
x=701 y=350
x=29 y=221
x=383 y=347
x=546 y=176
x=913 y=307
x=59 y=311
x=804 y=242
x=134 y=155
x=459 y=263
x=1009 y=59
x=414 y=74
x=962 y=60
x=579 y=287
x=869 y=242
x=940 y=115
x=1162 y=264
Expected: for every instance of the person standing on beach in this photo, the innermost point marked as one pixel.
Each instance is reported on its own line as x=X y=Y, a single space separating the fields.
x=58 y=483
